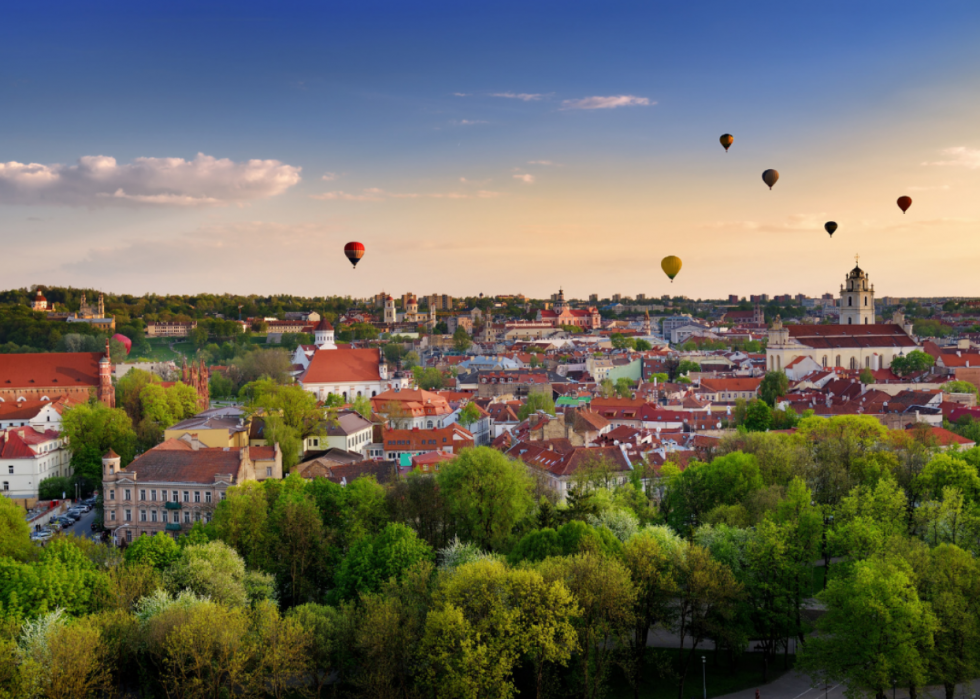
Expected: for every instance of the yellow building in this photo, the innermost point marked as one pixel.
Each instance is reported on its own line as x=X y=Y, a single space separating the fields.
x=218 y=427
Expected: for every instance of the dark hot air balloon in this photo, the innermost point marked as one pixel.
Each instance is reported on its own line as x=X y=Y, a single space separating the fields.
x=830 y=227
x=904 y=203
x=354 y=252
x=726 y=140
x=770 y=177
x=127 y=343
x=671 y=266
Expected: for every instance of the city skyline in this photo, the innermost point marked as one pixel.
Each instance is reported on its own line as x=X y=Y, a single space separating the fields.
x=238 y=148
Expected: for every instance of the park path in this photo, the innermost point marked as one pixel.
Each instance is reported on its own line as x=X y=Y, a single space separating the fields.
x=794 y=685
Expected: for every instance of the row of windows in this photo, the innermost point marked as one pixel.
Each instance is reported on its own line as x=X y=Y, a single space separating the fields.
x=151 y=516
x=175 y=495
x=776 y=362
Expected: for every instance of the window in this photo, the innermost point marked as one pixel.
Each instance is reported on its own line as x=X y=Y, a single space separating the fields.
x=129 y=535
x=112 y=515
x=127 y=493
x=187 y=496
x=153 y=515
x=838 y=361
x=197 y=516
x=867 y=362
x=853 y=363
x=153 y=495
x=207 y=496
x=850 y=321
x=142 y=494
x=197 y=496
x=142 y=515
x=10 y=469
x=187 y=516
x=112 y=494
x=129 y=515
x=268 y=471
x=850 y=300
x=176 y=498
x=6 y=485
x=825 y=361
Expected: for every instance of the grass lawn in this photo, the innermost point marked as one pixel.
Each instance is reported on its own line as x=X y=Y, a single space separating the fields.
x=160 y=351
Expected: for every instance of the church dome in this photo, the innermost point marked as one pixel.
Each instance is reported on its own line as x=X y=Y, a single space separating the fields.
x=857 y=273
x=40 y=296
x=324 y=324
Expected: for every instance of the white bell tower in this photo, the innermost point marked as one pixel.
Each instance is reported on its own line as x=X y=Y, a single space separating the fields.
x=857 y=298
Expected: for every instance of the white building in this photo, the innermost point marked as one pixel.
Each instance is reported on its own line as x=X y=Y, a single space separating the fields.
x=857 y=342
x=28 y=456
x=350 y=432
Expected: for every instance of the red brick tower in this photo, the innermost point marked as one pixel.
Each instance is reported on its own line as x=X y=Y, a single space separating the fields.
x=107 y=394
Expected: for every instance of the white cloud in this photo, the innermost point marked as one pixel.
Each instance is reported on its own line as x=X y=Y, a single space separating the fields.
x=960 y=155
x=607 y=102
x=99 y=180
x=462 y=94
x=376 y=194
x=330 y=176
x=525 y=96
x=467 y=122
x=525 y=178
x=542 y=162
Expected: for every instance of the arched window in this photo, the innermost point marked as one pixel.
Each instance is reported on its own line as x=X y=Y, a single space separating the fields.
x=854 y=363
x=824 y=362
x=838 y=361
x=850 y=321
x=850 y=300
x=865 y=321
x=374 y=393
x=867 y=362
x=865 y=300
x=779 y=363
x=429 y=424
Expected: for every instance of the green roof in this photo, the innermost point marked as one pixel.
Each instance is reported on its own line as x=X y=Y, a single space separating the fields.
x=573 y=401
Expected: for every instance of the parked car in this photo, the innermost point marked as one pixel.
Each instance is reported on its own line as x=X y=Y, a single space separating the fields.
x=86 y=507
x=69 y=518
x=42 y=535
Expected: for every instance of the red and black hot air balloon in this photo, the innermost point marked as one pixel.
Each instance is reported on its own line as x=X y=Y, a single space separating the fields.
x=127 y=343
x=354 y=252
x=904 y=203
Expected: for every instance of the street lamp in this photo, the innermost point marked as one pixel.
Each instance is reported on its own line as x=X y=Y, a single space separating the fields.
x=704 y=674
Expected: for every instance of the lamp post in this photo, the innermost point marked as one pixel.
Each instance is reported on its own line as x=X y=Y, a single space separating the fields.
x=704 y=674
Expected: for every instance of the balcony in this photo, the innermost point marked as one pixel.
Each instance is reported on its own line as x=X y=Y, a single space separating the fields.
x=173 y=527
x=172 y=505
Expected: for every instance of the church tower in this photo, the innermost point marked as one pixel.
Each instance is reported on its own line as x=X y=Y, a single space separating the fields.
x=323 y=335
x=390 y=318
x=646 y=323
x=857 y=299
x=560 y=302
x=40 y=303
x=107 y=394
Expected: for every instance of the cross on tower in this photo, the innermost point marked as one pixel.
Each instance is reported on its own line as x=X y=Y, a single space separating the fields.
x=856 y=257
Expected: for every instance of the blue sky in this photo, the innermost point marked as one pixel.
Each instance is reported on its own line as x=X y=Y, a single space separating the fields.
x=463 y=146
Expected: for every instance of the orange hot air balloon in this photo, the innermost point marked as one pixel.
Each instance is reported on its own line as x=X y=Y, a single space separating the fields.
x=904 y=203
x=354 y=252
x=830 y=227
x=726 y=140
x=770 y=177
x=671 y=265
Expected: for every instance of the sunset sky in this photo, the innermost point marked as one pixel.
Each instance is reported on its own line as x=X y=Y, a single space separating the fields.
x=184 y=147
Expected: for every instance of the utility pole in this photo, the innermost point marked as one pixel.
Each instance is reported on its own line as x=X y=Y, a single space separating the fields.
x=704 y=674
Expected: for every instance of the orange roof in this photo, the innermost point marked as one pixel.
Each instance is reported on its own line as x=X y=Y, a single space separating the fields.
x=50 y=370
x=343 y=366
x=731 y=385
x=428 y=440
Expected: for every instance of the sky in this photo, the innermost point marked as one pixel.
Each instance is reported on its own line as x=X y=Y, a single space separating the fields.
x=502 y=148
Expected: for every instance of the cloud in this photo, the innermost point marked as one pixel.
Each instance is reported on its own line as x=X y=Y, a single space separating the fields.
x=98 y=180
x=330 y=176
x=462 y=94
x=525 y=178
x=376 y=194
x=542 y=162
x=962 y=156
x=607 y=102
x=467 y=122
x=525 y=96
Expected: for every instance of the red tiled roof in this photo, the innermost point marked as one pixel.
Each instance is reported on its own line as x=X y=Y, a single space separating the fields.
x=343 y=366
x=731 y=385
x=50 y=370
x=27 y=409
x=262 y=453
x=831 y=336
x=428 y=440
x=179 y=465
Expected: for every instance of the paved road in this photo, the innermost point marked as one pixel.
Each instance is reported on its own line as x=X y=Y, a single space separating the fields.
x=793 y=685
x=83 y=527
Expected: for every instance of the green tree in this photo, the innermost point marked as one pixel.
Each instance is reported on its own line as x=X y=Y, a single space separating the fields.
x=534 y=403
x=959 y=387
x=774 y=385
x=213 y=570
x=876 y=630
x=686 y=366
x=866 y=377
x=488 y=494
x=15 y=533
x=469 y=414
x=461 y=340
x=411 y=360
x=428 y=379
x=92 y=429
x=913 y=363
x=373 y=560
x=158 y=551
x=758 y=416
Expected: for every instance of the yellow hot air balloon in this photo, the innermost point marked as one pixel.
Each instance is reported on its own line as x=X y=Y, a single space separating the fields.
x=727 y=140
x=671 y=265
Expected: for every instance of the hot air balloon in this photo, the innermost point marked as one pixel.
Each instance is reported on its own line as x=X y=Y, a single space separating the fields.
x=671 y=266
x=904 y=203
x=726 y=140
x=127 y=343
x=830 y=227
x=354 y=252
x=770 y=177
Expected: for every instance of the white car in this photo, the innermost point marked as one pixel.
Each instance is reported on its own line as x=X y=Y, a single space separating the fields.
x=42 y=535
